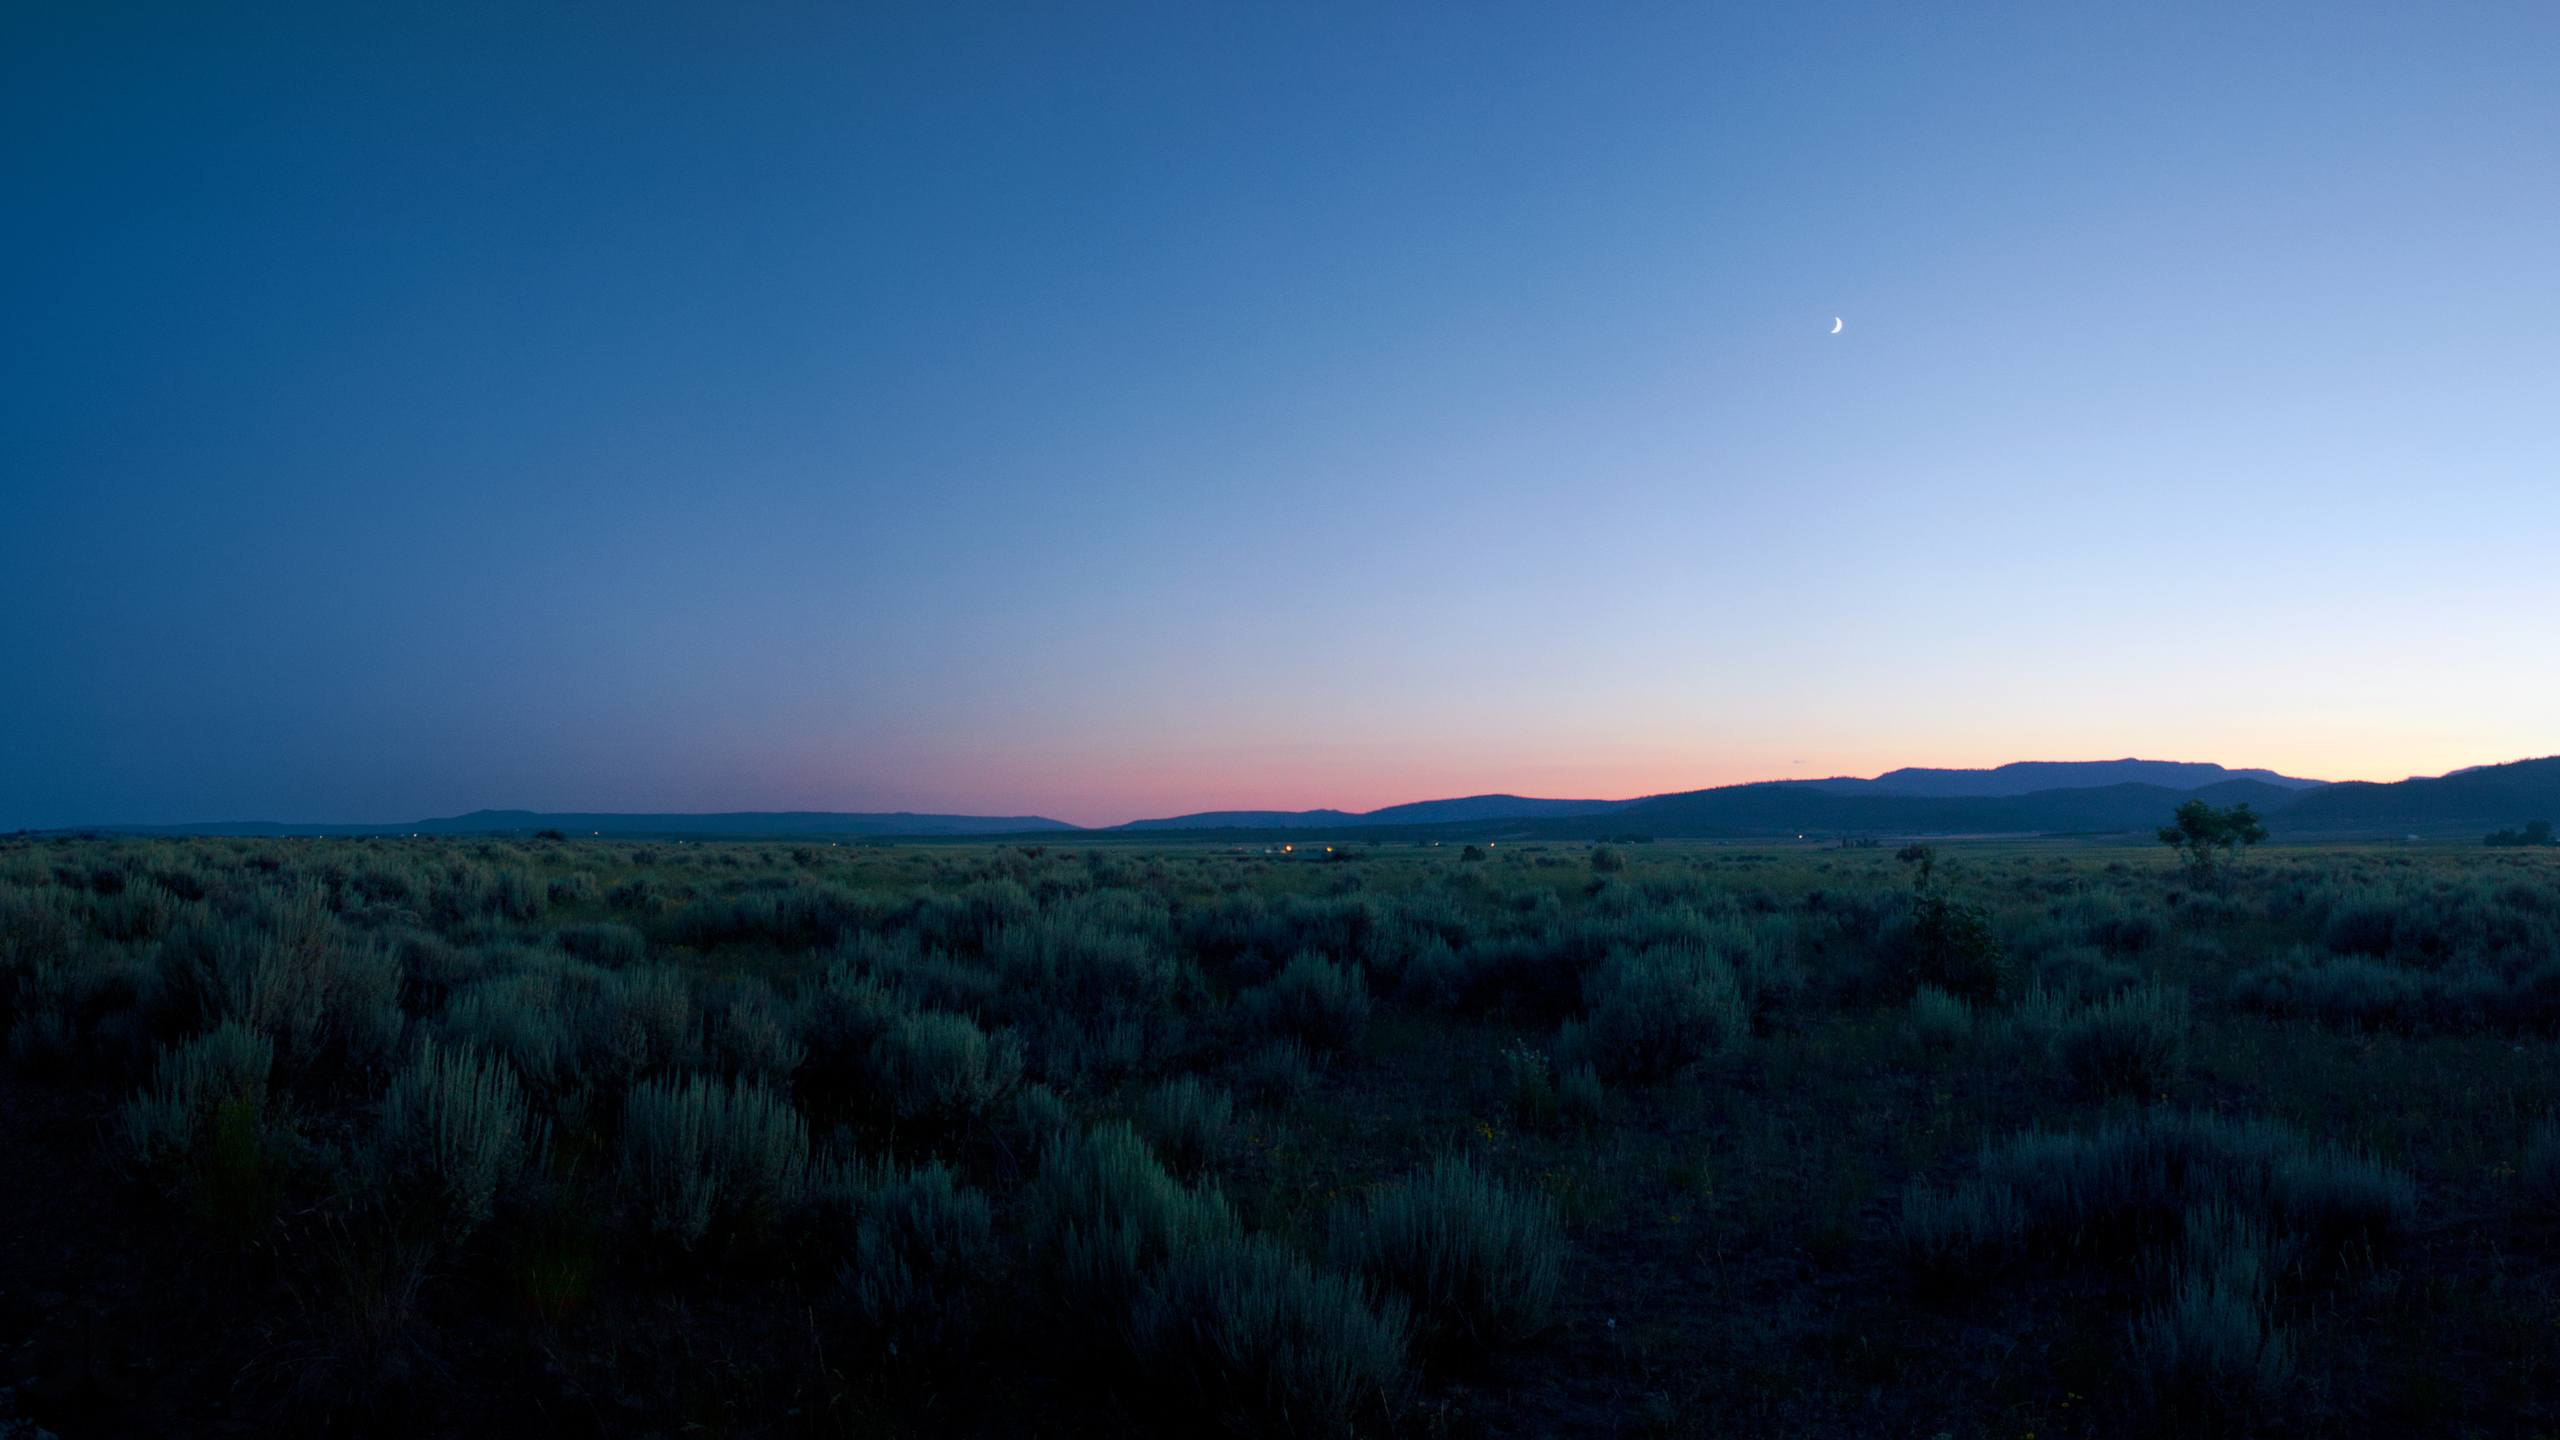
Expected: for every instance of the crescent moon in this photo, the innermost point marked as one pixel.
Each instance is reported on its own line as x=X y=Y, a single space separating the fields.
x=1835 y=324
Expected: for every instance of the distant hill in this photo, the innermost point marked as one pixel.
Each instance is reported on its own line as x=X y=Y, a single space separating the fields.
x=2099 y=797
x=1419 y=812
x=2471 y=801
x=739 y=824
x=1788 y=807
x=2027 y=777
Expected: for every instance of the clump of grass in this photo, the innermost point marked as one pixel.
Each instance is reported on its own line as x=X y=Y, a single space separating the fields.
x=1321 y=1004
x=706 y=1159
x=2130 y=1044
x=1479 y=1262
x=458 y=1124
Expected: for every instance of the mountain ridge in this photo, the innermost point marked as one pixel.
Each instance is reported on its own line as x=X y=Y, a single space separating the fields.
x=1912 y=801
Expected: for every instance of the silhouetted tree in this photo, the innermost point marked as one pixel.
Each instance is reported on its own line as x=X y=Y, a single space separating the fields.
x=2206 y=837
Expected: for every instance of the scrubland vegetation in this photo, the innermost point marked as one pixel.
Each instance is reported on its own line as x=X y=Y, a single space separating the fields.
x=473 y=1137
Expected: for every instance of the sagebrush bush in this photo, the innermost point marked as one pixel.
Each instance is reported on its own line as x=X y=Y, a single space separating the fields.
x=758 y=1033
x=1580 y=1100
x=2133 y=1180
x=205 y=1129
x=2210 y=1351
x=2130 y=1044
x=1954 y=1239
x=942 y=1069
x=458 y=1125
x=1277 y=1074
x=1263 y=1342
x=924 y=1249
x=2538 y=1171
x=705 y=1158
x=1651 y=1014
x=226 y=1069
x=606 y=943
x=1315 y=1001
x=1479 y=1262
x=1189 y=1121
x=292 y=973
x=1940 y=1021
x=1105 y=1213
x=1529 y=1086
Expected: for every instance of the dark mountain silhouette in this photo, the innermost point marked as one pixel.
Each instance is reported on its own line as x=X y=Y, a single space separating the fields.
x=2469 y=801
x=2467 y=804
x=2027 y=777
x=1790 y=808
x=1419 y=812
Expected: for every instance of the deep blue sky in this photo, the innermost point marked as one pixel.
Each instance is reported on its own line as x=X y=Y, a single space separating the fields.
x=1105 y=412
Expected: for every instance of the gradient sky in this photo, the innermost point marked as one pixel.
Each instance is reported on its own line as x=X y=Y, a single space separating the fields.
x=1105 y=412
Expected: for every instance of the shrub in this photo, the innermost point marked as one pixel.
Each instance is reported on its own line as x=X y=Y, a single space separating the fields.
x=923 y=1244
x=626 y=1024
x=458 y=1122
x=2133 y=1180
x=1953 y=1238
x=757 y=1034
x=1579 y=1097
x=513 y=1017
x=292 y=974
x=613 y=946
x=1320 y=1003
x=2210 y=1351
x=1530 y=1086
x=1654 y=1013
x=1105 y=1213
x=1950 y=944
x=1190 y=1123
x=705 y=1155
x=2131 y=1044
x=204 y=1125
x=840 y=1021
x=1940 y=1021
x=2539 y=1170
x=1276 y=1074
x=942 y=1069
x=224 y=1070
x=1250 y=1332
x=1479 y=1263
x=1607 y=859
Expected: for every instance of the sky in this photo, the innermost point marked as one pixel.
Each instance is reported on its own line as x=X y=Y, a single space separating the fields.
x=1105 y=412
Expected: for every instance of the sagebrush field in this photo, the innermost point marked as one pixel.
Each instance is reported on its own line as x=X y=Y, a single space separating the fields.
x=559 y=1136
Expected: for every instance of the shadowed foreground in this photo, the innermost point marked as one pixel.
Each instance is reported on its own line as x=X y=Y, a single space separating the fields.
x=469 y=1137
